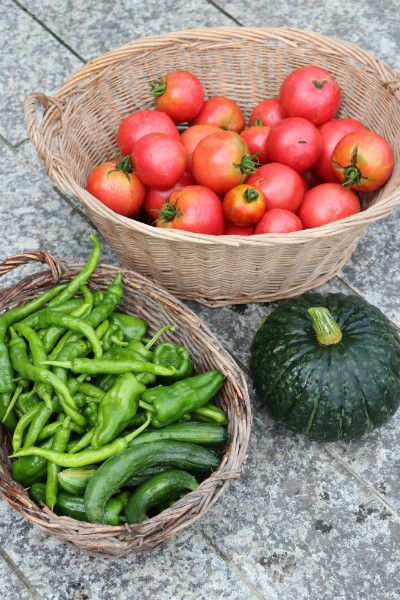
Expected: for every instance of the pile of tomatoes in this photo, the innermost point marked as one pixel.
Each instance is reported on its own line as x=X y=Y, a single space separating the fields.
x=294 y=167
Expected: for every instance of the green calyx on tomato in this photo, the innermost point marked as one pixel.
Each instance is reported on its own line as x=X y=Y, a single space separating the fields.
x=124 y=165
x=257 y=122
x=351 y=174
x=248 y=165
x=250 y=195
x=319 y=84
x=158 y=87
x=167 y=212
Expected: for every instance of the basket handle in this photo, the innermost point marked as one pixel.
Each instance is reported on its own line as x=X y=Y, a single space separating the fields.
x=12 y=262
x=32 y=101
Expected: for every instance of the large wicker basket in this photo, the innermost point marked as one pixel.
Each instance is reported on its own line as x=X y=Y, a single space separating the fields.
x=143 y=298
x=78 y=131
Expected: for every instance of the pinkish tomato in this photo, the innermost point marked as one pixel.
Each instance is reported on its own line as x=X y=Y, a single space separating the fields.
x=268 y=112
x=256 y=140
x=156 y=198
x=221 y=112
x=192 y=136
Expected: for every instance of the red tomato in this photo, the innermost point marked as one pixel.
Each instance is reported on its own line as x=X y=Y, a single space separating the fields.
x=268 y=112
x=159 y=160
x=193 y=136
x=156 y=198
x=294 y=142
x=221 y=161
x=326 y=203
x=118 y=189
x=231 y=229
x=141 y=123
x=256 y=140
x=310 y=93
x=193 y=208
x=179 y=94
x=363 y=161
x=280 y=185
x=221 y=112
x=278 y=220
x=243 y=205
x=310 y=179
x=331 y=133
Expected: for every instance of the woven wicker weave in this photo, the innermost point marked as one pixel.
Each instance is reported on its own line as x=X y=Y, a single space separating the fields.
x=78 y=131
x=147 y=300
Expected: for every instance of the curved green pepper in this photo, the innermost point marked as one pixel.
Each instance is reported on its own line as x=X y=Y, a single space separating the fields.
x=117 y=409
x=172 y=355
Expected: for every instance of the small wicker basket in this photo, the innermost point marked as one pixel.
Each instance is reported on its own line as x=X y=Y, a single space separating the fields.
x=78 y=131
x=147 y=300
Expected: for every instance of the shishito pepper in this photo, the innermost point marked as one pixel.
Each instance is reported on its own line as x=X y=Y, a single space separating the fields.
x=117 y=409
x=170 y=403
x=172 y=355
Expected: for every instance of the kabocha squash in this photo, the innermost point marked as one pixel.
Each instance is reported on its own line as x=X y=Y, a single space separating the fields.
x=327 y=366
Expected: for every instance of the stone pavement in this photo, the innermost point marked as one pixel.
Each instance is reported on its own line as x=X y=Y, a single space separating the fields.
x=306 y=521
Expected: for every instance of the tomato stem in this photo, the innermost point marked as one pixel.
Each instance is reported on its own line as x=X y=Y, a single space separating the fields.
x=124 y=165
x=258 y=122
x=167 y=212
x=250 y=195
x=319 y=84
x=249 y=164
x=158 y=87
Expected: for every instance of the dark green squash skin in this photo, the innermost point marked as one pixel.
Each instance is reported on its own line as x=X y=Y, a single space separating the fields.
x=328 y=392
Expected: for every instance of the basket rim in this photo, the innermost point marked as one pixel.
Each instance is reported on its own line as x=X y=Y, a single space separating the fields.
x=217 y=37
x=40 y=515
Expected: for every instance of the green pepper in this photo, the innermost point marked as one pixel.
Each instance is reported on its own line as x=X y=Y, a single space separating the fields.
x=211 y=414
x=11 y=421
x=31 y=469
x=74 y=506
x=132 y=327
x=26 y=401
x=95 y=366
x=171 y=402
x=117 y=409
x=60 y=442
x=172 y=355
x=90 y=411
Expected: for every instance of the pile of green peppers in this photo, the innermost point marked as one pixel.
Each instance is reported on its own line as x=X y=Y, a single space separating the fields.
x=108 y=425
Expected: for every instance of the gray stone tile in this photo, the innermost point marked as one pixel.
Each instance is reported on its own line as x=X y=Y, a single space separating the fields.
x=184 y=569
x=372 y=25
x=374 y=268
x=31 y=60
x=113 y=24
x=34 y=216
x=303 y=528
x=11 y=587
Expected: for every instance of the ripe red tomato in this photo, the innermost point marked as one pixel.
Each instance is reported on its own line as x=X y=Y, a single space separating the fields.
x=179 y=94
x=221 y=161
x=256 y=140
x=117 y=188
x=280 y=185
x=159 y=160
x=193 y=208
x=331 y=133
x=231 y=229
x=243 y=205
x=268 y=112
x=294 y=142
x=363 y=161
x=278 y=220
x=193 y=136
x=310 y=93
x=154 y=199
x=326 y=203
x=221 y=112
x=141 y=123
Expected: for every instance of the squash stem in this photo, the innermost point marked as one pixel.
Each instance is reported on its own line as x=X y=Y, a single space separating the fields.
x=326 y=329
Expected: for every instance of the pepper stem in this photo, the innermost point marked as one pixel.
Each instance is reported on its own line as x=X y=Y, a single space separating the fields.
x=157 y=335
x=326 y=329
x=131 y=436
